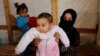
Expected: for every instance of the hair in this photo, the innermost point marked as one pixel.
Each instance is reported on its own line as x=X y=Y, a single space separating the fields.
x=47 y=16
x=20 y=7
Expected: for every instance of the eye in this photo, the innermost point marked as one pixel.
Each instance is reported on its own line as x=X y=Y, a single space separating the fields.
x=43 y=25
x=25 y=11
x=38 y=25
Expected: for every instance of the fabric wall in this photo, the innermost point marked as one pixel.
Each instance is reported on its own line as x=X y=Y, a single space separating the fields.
x=35 y=6
x=2 y=13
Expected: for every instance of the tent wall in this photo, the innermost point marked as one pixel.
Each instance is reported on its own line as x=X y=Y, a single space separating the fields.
x=35 y=7
x=2 y=14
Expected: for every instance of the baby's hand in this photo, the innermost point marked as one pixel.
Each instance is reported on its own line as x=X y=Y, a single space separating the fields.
x=36 y=41
x=57 y=36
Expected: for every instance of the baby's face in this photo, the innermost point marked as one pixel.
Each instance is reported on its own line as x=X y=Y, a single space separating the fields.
x=43 y=25
x=68 y=17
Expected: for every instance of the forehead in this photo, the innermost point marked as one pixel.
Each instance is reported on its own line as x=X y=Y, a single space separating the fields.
x=68 y=14
x=42 y=20
x=23 y=10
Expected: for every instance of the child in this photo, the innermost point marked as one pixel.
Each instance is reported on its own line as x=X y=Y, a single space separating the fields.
x=23 y=23
x=67 y=21
x=45 y=30
x=22 y=19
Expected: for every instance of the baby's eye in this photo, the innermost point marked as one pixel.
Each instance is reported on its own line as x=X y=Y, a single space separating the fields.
x=43 y=25
x=38 y=25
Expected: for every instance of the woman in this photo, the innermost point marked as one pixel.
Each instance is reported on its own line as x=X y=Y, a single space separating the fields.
x=67 y=21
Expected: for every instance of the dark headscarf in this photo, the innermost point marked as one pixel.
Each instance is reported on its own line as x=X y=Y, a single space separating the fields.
x=67 y=25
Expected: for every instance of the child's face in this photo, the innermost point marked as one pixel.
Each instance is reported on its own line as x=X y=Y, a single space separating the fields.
x=68 y=17
x=23 y=12
x=43 y=25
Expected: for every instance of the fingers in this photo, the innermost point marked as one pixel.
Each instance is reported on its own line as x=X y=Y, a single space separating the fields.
x=36 y=41
x=57 y=39
x=57 y=34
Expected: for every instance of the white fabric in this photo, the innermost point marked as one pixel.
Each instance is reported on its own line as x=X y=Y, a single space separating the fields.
x=33 y=33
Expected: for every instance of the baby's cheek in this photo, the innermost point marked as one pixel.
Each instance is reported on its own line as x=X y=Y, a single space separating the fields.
x=38 y=28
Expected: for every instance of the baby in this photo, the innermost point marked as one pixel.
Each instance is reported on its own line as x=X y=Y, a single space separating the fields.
x=45 y=30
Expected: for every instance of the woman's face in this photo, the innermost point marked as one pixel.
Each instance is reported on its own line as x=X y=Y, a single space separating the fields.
x=68 y=17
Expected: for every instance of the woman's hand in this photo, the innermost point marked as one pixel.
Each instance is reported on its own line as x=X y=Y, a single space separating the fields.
x=57 y=36
x=16 y=55
x=36 y=41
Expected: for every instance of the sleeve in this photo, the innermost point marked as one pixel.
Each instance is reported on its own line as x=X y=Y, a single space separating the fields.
x=25 y=41
x=20 y=22
x=63 y=37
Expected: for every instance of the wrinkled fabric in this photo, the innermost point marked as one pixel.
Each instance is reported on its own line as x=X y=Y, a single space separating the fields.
x=45 y=49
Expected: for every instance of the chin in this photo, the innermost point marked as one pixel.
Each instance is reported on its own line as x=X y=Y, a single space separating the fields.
x=44 y=32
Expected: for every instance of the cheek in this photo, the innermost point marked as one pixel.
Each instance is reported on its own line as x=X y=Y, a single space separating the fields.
x=68 y=16
x=25 y=14
x=47 y=29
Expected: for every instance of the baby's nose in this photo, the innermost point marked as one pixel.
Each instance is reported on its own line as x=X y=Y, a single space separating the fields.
x=41 y=29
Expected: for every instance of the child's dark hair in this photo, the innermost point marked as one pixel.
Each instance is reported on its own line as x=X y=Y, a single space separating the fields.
x=20 y=7
x=47 y=16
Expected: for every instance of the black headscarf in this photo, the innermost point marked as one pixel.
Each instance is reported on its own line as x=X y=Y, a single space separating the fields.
x=67 y=25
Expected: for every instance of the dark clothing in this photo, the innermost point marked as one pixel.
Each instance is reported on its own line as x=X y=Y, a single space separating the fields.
x=70 y=30
x=73 y=51
x=74 y=37
x=30 y=50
